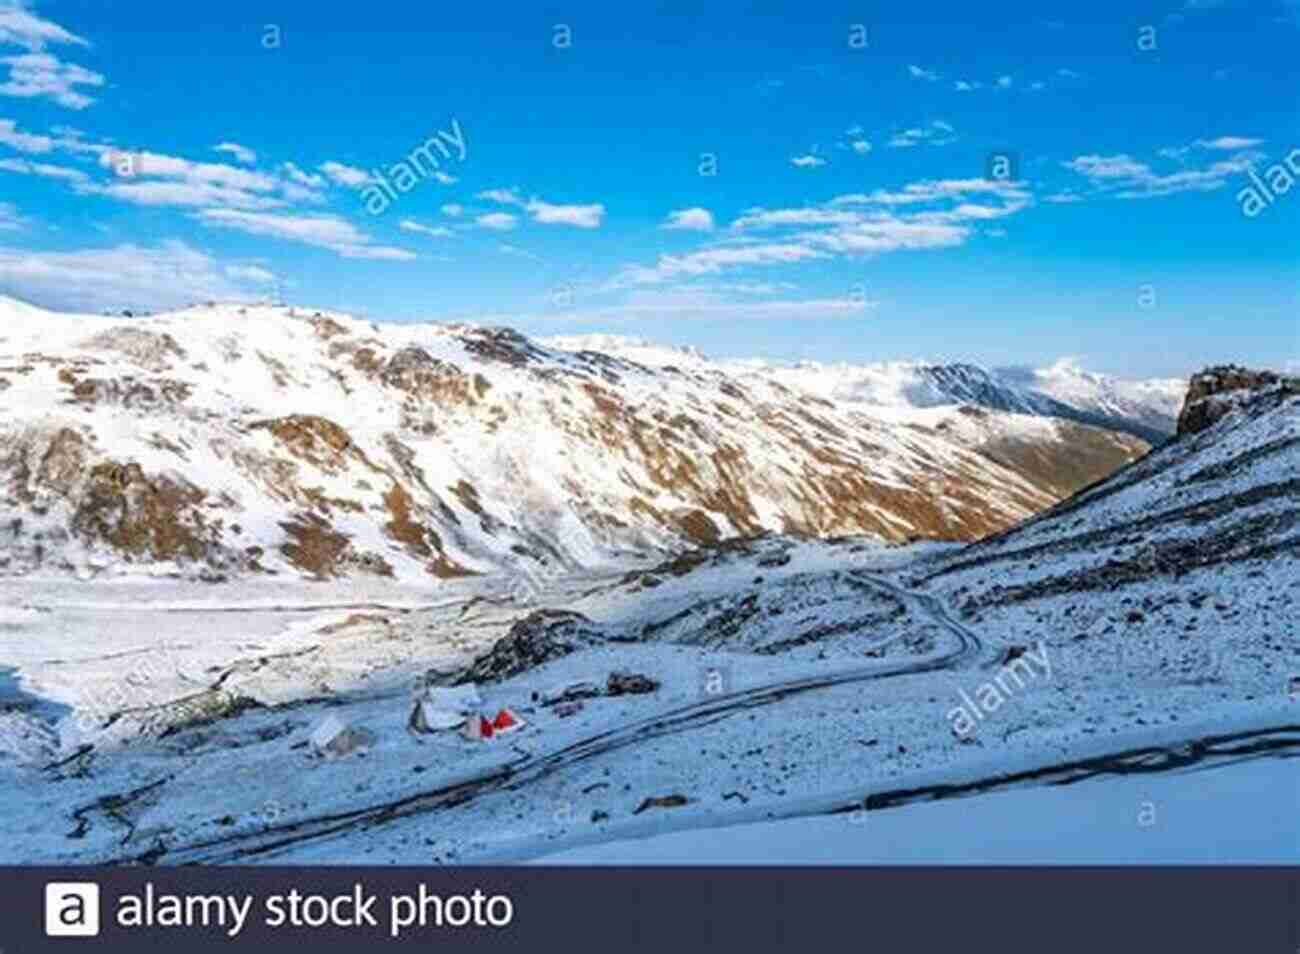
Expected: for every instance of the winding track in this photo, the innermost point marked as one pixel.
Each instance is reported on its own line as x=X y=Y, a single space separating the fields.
x=239 y=847
x=1279 y=741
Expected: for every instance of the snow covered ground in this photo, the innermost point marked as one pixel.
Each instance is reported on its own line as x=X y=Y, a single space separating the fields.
x=1241 y=813
x=737 y=748
x=1115 y=680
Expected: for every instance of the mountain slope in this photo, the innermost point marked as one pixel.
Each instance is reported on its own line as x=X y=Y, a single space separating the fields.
x=229 y=440
x=1184 y=561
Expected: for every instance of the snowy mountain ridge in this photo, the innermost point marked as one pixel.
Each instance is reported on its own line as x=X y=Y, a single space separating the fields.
x=1144 y=408
x=228 y=440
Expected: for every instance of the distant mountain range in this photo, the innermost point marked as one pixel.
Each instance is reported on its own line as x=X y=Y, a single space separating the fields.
x=230 y=440
x=1147 y=409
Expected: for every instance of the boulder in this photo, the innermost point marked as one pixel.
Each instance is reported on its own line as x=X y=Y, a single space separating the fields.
x=571 y=693
x=629 y=683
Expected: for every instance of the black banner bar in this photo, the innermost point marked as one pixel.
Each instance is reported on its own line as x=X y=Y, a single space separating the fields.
x=661 y=909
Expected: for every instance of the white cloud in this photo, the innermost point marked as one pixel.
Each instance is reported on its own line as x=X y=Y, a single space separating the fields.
x=579 y=216
x=547 y=213
x=438 y=231
x=323 y=231
x=934 y=190
x=185 y=194
x=453 y=209
x=241 y=153
x=935 y=214
x=36 y=75
x=713 y=260
x=445 y=178
x=692 y=220
x=809 y=215
x=1129 y=178
x=501 y=221
x=23 y=142
x=154 y=165
x=967 y=86
x=349 y=176
x=1004 y=82
x=250 y=273
x=150 y=178
x=917 y=72
x=1229 y=143
x=808 y=161
x=168 y=275
x=936 y=133
x=20 y=27
x=302 y=178
x=888 y=234
x=1108 y=167
x=45 y=170
x=502 y=196
x=860 y=146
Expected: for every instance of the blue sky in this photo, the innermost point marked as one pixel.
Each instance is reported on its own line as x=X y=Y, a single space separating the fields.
x=757 y=179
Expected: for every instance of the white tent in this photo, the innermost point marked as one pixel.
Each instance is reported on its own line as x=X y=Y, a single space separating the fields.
x=443 y=707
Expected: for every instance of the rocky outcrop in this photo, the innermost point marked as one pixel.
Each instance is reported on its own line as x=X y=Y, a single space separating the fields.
x=536 y=639
x=1215 y=391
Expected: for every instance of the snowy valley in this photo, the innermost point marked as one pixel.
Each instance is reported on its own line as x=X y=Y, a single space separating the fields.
x=736 y=611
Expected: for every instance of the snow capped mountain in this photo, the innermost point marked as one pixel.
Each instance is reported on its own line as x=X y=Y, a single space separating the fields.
x=1147 y=409
x=1149 y=406
x=242 y=440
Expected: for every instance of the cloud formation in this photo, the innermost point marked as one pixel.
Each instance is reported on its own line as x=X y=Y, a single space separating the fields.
x=691 y=220
x=322 y=231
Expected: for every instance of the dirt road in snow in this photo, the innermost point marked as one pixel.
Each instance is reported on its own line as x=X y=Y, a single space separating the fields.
x=280 y=841
x=237 y=848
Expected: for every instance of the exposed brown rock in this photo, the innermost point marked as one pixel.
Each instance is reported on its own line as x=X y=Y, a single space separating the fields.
x=1203 y=406
x=326 y=327
x=315 y=546
x=141 y=516
x=314 y=439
